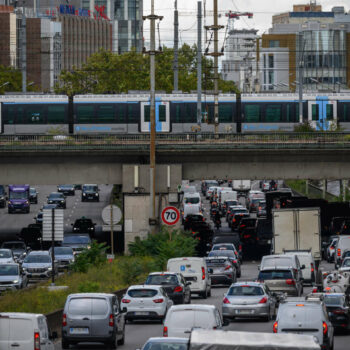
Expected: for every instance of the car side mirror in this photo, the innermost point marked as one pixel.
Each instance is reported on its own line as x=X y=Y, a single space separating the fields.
x=124 y=310
x=210 y=270
x=53 y=335
x=302 y=267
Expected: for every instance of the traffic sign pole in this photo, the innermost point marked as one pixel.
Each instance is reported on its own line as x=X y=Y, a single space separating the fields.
x=53 y=247
x=112 y=233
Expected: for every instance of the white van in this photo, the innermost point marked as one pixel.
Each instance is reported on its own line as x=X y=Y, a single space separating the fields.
x=25 y=332
x=195 y=271
x=181 y=319
x=192 y=198
x=189 y=209
x=305 y=258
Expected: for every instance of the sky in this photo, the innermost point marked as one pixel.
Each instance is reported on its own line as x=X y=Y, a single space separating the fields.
x=263 y=10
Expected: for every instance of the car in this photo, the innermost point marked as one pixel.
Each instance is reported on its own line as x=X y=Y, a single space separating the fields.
x=162 y=343
x=308 y=317
x=25 y=331
x=38 y=264
x=67 y=190
x=12 y=277
x=174 y=285
x=6 y=256
x=193 y=220
x=261 y=211
x=146 y=302
x=227 y=246
x=231 y=211
x=206 y=184
x=181 y=319
x=336 y=224
x=78 y=242
x=249 y=300
x=221 y=270
x=194 y=270
x=84 y=225
x=89 y=192
x=39 y=218
x=232 y=255
x=227 y=204
x=331 y=249
x=18 y=248
x=266 y=186
x=2 y=196
x=246 y=222
x=229 y=238
x=342 y=244
x=57 y=198
x=33 y=195
x=337 y=305
x=305 y=259
x=345 y=264
x=93 y=317
x=345 y=228
x=64 y=256
x=282 y=280
x=236 y=216
x=282 y=260
x=254 y=203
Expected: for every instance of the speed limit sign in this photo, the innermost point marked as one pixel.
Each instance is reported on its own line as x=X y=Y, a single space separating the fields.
x=170 y=215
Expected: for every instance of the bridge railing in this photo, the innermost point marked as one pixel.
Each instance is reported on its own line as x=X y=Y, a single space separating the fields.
x=170 y=141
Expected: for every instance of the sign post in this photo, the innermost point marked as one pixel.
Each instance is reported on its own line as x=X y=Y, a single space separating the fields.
x=170 y=216
x=111 y=216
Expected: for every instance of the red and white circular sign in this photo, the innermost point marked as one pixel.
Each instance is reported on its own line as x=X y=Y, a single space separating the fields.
x=170 y=215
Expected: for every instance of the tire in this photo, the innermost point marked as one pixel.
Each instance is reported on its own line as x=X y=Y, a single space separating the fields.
x=239 y=274
x=65 y=344
x=209 y=293
x=122 y=340
x=204 y=294
x=268 y=318
x=112 y=344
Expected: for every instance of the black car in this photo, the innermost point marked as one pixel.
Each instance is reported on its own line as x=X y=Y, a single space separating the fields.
x=57 y=198
x=90 y=193
x=192 y=221
x=2 y=196
x=236 y=219
x=174 y=284
x=83 y=225
x=67 y=190
x=33 y=196
x=337 y=305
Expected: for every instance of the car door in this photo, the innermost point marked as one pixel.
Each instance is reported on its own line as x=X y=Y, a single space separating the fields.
x=186 y=287
x=21 y=335
x=271 y=301
x=45 y=342
x=79 y=316
x=100 y=313
x=169 y=302
x=118 y=318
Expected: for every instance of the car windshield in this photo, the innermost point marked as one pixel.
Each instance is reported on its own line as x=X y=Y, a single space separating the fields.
x=5 y=254
x=32 y=191
x=63 y=251
x=56 y=195
x=76 y=239
x=223 y=247
x=165 y=346
x=275 y=275
x=335 y=300
x=229 y=203
x=228 y=253
x=83 y=222
x=14 y=245
x=90 y=188
x=255 y=200
x=192 y=200
x=142 y=293
x=240 y=211
x=161 y=279
x=36 y=258
x=66 y=186
x=346 y=263
x=245 y=291
x=8 y=270
x=18 y=195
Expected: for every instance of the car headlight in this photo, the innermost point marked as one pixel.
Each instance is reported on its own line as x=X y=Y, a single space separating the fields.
x=50 y=201
x=90 y=228
x=96 y=194
x=24 y=269
x=15 y=281
x=84 y=194
x=62 y=201
x=26 y=202
x=49 y=268
x=75 y=228
x=88 y=247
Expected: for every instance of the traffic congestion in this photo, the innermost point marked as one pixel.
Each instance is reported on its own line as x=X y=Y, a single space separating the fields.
x=288 y=286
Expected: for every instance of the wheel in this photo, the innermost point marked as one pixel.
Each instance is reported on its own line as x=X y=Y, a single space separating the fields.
x=112 y=344
x=239 y=273
x=268 y=318
x=209 y=293
x=65 y=344
x=204 y=294
x=122 y=340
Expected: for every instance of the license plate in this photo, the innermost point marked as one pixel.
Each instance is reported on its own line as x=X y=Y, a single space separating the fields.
x=244 y=312
x=79 y=331
x=141 y=313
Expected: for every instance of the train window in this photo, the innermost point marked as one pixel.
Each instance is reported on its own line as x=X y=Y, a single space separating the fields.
x=225 y=113
x=105 y=114
x=251 y=113
x=147 y=114
x=346 y=112
x=33 y=114
x=289 y=113
x=190 y=112
x=273 y=113
x=177 y=113
x=162 y=113
x=120 y=113
x=10 y=114
x=85 y=113
x=56 y=114
x=133 y=113
x=329 y=112
x=315 y=112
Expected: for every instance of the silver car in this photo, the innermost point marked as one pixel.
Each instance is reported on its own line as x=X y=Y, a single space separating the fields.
x=221 y=270
x=11 y=277
x=249 y=300
x=146 y=302
x=169 y=343
x=6 y=256
x=38 y=264
x=64 y=257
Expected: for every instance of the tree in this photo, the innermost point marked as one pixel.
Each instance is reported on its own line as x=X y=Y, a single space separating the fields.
x=10 y=79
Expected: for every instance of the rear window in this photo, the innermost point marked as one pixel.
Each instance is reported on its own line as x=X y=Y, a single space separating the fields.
x=228 y=253
x=21 y=330
x=245 y=291
x=142 y=293
x=88 y=306
x=99 y=307
x=223 y=247
x=165 y=346
x=190 y=319
x=334 y=300
x=161 y=279
x=192 y=200
x=275 y=275
x=277 y=261
x=226 y=239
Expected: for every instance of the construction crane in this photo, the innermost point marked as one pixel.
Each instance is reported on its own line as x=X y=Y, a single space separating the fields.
x=234 y=15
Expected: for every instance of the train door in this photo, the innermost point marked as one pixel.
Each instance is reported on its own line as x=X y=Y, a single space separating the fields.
x=162 y=117
x=322 y=113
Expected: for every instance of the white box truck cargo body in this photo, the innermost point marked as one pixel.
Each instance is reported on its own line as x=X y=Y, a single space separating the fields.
x=241 y=185
x=297 y=229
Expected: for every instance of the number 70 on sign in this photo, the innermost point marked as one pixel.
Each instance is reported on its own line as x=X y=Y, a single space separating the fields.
x=170 y=216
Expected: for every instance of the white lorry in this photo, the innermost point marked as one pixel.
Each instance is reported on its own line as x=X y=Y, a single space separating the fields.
x=297 y=229
x=241 y=185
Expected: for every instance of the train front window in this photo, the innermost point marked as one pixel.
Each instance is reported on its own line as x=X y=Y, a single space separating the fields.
x=55 y=114
x=329 y=112
x=251 y=113
x=147 y=114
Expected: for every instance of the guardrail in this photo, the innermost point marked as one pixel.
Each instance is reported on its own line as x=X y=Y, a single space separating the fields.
x=141 y=142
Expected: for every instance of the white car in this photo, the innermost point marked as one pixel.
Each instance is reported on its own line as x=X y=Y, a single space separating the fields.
x=345 y=265
x=6 y=256
x=145 y=302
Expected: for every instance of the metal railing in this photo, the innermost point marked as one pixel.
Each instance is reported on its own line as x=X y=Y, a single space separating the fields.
x=140 y=142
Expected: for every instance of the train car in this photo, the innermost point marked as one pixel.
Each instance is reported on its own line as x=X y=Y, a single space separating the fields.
x=175 y=113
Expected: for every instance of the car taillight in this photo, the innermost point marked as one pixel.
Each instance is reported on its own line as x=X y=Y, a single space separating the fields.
x=227 y=267
x=226 y=301
x=126 y=301
x=263 y=300
x=178 y=289
x=165 y=331
x=203 y=273
x=275 y=327
x=233 y=220
x=312 y=267
x=111 y=320
x=290 y=282
x=64 y=320
x=331 y=248
x=240 y=247
x=36 y=341
x=314 y=290
x=158 y=301
x=338 y=311
x=339 y=252
x=246 y=236
x=325 y=327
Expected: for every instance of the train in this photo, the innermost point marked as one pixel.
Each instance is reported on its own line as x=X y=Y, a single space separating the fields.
x=175 y=113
